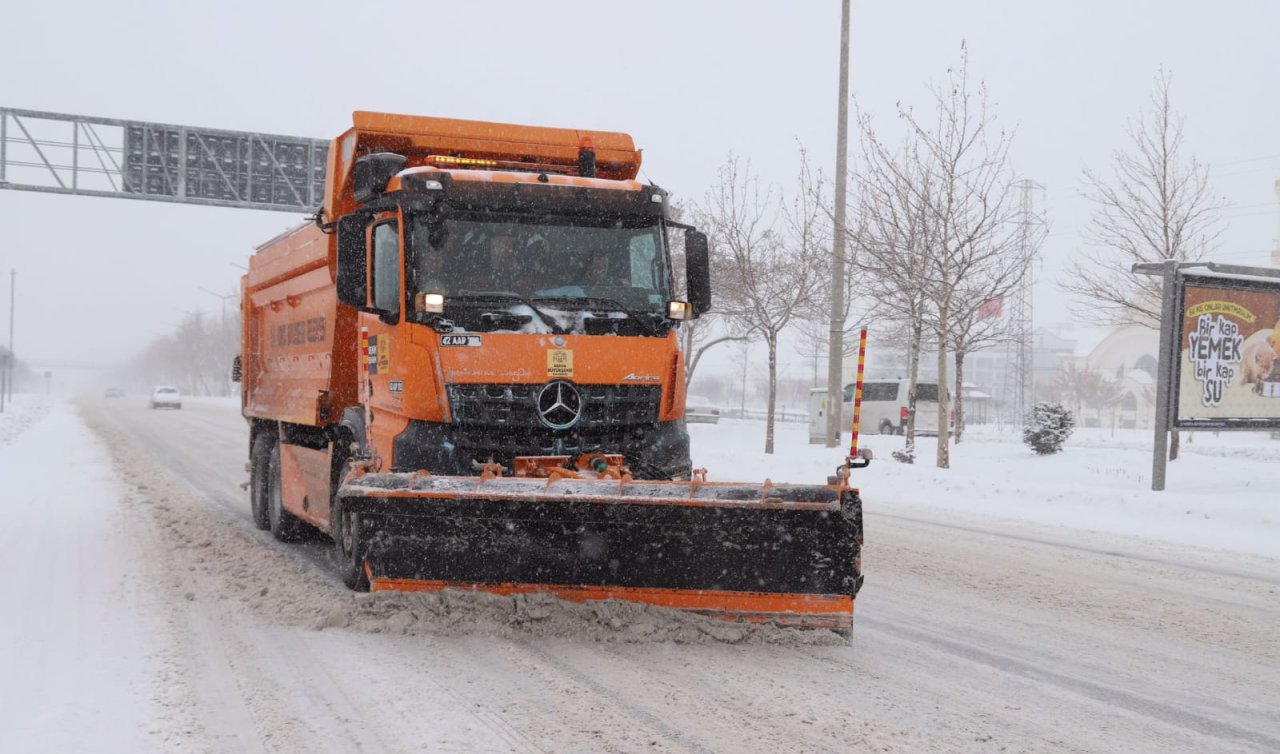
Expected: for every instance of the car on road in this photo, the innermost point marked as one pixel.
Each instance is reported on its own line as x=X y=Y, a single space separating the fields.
x=698 y=410
x=884 y=407
x=166 y=396
x=113 y=392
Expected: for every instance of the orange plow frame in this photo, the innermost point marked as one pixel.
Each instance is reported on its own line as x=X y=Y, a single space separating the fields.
x=833 y=612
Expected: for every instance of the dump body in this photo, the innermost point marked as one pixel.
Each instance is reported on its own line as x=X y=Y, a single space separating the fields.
x=299 y=343
x=467 y=371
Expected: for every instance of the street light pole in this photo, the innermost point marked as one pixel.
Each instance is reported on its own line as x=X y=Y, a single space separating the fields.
x=835 y=352
x=13 y=286
x=224 y=297
x=222 y=323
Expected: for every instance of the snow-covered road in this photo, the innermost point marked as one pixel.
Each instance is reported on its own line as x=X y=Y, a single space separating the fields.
x=145 y=612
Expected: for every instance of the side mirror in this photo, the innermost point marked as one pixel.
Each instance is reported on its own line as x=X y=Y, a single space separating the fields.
x=353 y=268
x=698 y=271
x=372 y=173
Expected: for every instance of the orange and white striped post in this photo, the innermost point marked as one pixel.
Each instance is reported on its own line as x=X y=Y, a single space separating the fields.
x=857 y=392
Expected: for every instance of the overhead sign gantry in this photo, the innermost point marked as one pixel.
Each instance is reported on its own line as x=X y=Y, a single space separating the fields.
x=91 y=156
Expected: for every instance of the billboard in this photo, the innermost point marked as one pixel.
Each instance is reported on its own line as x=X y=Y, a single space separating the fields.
x=1228 y=366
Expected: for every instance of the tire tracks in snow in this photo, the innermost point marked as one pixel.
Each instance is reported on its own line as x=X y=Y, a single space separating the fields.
x=261 y=687
x=1176 y=716
x=1095 y=550
x=603 y=691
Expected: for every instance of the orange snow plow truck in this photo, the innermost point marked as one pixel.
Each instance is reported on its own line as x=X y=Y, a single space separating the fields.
x=467 y=372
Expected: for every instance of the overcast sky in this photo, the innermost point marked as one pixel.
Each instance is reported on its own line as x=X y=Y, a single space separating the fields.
x=691 y=81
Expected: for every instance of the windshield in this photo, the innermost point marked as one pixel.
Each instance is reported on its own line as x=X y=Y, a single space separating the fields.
x=555 y=263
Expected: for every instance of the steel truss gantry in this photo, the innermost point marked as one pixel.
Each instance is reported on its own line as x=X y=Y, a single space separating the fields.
x=91 y=156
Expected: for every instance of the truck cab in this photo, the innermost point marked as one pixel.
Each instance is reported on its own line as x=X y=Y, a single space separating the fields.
x=511 y=293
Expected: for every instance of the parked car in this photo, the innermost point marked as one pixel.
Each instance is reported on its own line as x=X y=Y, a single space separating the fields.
x=113 y=392
x=166 y=396
x=885 y=404
x=699 y=410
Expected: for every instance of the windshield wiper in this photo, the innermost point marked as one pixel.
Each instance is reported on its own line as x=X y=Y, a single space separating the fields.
x=598 y=302
x=481 y=296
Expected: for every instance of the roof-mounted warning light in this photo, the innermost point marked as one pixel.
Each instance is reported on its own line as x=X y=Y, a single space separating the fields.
x=586 y=157
x=474 y=163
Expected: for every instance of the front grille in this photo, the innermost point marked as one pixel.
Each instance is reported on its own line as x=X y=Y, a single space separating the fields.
x=501 y=421
x=514 y=406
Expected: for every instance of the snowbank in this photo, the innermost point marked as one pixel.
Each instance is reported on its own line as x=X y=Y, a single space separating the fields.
x=1222 y=493
x=20 y=413
x=79 y=636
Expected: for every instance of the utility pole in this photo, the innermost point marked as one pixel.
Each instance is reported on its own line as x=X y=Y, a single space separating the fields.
x=835 y=351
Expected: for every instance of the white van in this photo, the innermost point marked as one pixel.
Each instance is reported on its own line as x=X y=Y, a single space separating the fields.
x=884 y=407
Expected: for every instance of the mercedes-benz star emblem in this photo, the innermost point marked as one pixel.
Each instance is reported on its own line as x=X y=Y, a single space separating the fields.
x=559 y=405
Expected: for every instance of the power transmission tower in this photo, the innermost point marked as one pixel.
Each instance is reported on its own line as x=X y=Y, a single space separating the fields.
x=1019 y=387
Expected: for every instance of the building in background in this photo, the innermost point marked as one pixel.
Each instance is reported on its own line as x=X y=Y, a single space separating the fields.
x=1126 y=357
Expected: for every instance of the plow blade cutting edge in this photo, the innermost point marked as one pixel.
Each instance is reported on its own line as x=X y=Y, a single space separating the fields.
x=785 y=554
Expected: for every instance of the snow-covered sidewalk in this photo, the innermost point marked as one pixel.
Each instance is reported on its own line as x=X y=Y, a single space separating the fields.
x=77 y=638
x=19 y=414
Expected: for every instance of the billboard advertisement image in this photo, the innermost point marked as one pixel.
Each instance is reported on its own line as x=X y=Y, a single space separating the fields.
x=1229 y=365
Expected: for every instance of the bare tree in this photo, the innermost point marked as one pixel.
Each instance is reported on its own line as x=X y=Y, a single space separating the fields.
x=956 y=186
x=1156 y=205
x=697 y=336
x=196 y=357
x=972 y=212
x=813 y=326
x=1084 y=387
x=978 y=323
x=892 y=243
x=768 y=272
x=894 y=190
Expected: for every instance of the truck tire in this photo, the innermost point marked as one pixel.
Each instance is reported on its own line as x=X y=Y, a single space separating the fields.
x=349 y=547
x=259 y=466
x=284 y=525
x=886 y=428
x=348 y=542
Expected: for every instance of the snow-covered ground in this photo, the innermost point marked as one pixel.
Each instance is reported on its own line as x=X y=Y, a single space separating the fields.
x=1013 y=603
x=21 y=413
x=77 y=636
x=1223 y=493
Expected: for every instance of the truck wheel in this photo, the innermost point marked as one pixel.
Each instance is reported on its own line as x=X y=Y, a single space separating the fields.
x=284 y=525
x=349 y=546
x=886 y=428
x=348 y=539
x=259 y=468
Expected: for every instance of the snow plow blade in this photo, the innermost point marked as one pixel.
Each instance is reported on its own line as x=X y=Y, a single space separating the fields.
x=783 y=554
